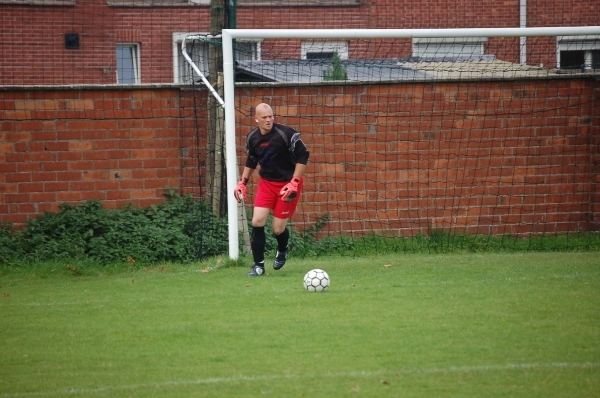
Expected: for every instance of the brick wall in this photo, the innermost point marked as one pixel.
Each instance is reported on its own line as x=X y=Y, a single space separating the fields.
x=73 y=145
x=503 y=157
x=514 y=157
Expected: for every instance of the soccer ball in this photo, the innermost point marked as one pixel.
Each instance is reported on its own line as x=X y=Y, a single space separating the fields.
x=316 y=280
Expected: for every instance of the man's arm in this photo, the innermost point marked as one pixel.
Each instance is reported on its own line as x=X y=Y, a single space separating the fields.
x=299 y=171
x=247 y=173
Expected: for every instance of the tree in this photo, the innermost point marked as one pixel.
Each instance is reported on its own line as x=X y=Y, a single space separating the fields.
x=336 y=71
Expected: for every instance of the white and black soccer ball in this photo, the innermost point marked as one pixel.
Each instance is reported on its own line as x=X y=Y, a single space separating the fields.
x=316 y=280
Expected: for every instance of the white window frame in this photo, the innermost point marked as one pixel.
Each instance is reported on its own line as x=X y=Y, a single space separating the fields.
x=178 y=38
x=587 y=44
x=448 y=47
x=135 y=61
x=314 y=46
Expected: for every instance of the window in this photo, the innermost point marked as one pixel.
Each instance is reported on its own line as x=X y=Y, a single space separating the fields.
x=448 y=47
x=578 y=52
x=198 y=52
x=245 y=50
x=324 y=49
x=128 y=64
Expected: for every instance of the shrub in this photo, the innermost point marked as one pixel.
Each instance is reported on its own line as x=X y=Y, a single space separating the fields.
x=9 y=248
x=181 y=229
x=184 y=230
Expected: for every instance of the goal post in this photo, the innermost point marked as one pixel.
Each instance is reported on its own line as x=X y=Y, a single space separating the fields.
x=229 y=35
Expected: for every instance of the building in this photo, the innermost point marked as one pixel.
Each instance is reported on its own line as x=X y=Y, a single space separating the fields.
x=64 y=42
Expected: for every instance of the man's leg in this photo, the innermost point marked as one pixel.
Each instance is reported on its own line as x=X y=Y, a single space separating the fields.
x=282 y=211
x=257 y=243
x=282 y=234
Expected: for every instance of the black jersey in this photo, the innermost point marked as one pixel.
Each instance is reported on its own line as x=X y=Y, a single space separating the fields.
x=276 y=155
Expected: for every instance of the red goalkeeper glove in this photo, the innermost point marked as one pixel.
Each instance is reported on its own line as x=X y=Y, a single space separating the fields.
x=290 y=191
x=240 y=190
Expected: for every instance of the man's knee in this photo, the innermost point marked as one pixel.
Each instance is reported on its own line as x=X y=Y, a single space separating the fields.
x=259 y=218
x=278 y=231
x=258 y=222
x=279 y=226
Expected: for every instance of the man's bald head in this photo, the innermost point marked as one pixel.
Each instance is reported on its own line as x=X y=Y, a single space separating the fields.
x=262 y=107
x=264 y=117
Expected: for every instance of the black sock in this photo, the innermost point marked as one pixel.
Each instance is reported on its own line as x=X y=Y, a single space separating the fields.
x=258 y=244
x=282 y=240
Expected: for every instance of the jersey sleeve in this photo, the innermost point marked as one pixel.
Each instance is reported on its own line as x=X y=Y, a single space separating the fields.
x=251 y=160
x=300 y=151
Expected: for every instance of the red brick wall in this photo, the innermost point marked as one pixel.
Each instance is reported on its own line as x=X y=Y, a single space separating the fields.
x=73 y=145
x=514 y=157
x=423 y=14
x=511 y=157
x=542 y=13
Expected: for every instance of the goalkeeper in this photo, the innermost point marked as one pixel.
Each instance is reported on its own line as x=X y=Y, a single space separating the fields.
x=283 y=158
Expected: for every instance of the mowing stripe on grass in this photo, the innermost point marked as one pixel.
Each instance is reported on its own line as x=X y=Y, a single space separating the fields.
x=348 y=287
x=244 y=378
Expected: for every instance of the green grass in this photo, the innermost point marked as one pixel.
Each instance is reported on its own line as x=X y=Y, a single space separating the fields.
x=473 y=325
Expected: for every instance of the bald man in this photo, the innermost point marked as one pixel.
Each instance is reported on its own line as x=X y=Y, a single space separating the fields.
x=282 y=157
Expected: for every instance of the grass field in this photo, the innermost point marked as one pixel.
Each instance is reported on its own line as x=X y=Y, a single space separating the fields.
x=493 y=325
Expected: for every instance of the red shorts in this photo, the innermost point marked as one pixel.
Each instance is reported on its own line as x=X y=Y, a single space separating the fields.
x=268 y=196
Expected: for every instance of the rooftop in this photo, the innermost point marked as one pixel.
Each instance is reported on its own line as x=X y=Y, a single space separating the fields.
x=371 y=70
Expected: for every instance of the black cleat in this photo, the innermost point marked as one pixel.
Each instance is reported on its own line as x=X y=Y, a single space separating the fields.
x=257 y=270
x=280 y=258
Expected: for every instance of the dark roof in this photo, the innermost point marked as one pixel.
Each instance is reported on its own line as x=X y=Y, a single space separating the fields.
x=313 y=70
x=378 y=70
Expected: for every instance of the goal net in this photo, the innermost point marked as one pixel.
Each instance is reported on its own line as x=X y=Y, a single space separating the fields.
x=465 y=139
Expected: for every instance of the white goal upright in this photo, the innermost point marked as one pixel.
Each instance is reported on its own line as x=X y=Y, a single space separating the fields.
x=444 y=140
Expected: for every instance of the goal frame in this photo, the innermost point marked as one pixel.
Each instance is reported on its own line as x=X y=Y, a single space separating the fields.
x=228 y=35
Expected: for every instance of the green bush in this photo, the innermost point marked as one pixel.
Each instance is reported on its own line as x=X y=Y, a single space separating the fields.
x=336 y=71
x=184 y=230
x=181 y=230
x=9 y=248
